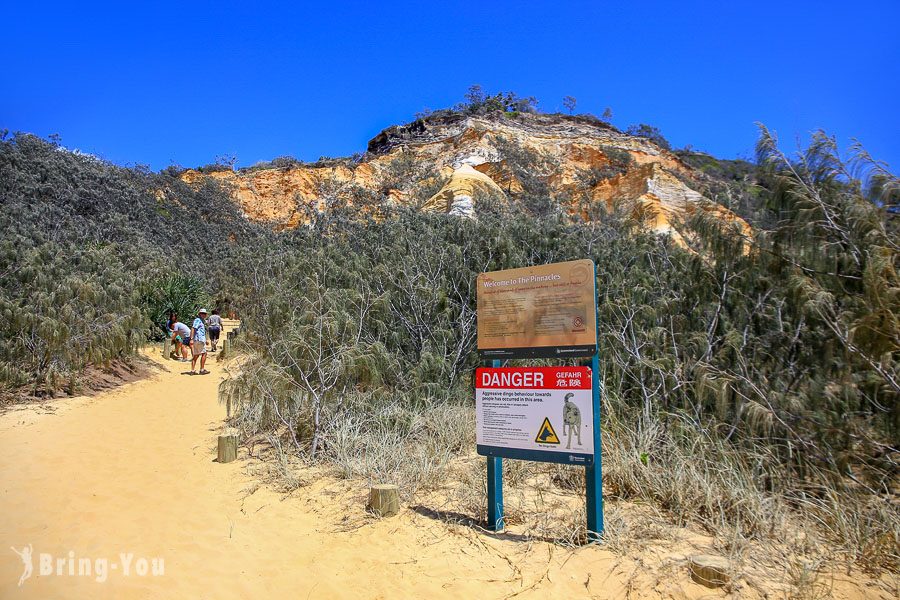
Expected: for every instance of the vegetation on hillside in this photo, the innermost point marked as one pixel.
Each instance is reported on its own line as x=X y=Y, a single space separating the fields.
x=479 y=102
x=766 y=369
x=92 y=255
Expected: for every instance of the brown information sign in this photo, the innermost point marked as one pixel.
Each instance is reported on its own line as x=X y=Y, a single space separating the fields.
x=538 y=312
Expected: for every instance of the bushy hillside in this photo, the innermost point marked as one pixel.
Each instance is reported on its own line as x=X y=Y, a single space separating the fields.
x=85 y=247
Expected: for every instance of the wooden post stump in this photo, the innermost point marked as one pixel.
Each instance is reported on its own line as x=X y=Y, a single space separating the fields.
x=167 y=349
x=384 y=500
x=711 y=571
x=228 y=444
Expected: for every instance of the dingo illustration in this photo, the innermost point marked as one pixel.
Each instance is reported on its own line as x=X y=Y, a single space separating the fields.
x=25 y=555
x=571 y=420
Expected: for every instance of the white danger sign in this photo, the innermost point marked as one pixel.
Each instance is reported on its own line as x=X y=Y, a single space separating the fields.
x=526 y=412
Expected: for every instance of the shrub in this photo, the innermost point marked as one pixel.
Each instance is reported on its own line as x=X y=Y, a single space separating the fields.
x=63 y=307
x=651 y=133
x=182 y=294
x=478 y=102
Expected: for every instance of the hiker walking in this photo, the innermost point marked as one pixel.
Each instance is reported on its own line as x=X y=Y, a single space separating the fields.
x=215 y=328
x=198 y=343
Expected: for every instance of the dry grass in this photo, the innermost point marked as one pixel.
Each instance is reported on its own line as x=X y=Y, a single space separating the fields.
x=700 y=481
x=658 y=485
x=393 y=443
x=655 y=486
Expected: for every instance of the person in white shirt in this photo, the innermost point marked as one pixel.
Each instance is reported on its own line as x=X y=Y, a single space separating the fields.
x=181 y=336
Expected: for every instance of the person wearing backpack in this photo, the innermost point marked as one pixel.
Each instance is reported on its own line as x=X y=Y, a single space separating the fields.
x=215 y=328
x=198 y=343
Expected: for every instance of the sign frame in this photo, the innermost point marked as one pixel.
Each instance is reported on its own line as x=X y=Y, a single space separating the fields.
x=560 y=456
x=593 y=472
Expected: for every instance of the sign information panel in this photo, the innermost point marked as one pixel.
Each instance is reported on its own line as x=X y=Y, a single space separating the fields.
x=545 y=311
x=535 y=413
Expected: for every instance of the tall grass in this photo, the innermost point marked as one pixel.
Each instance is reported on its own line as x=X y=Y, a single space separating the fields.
x=398 y=442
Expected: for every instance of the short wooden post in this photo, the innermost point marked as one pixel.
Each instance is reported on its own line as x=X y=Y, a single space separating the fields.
x=228 y=446
x=711 y=571
x=384 y=500
x=167 y=348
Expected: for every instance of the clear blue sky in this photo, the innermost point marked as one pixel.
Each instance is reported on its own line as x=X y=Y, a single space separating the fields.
x=155 y=84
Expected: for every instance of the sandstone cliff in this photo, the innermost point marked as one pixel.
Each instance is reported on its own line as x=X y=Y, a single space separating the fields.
x=465 y=158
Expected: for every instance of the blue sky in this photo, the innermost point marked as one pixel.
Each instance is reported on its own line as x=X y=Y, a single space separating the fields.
x=184 y=82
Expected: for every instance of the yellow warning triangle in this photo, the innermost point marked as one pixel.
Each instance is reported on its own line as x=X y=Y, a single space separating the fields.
x=546 y=435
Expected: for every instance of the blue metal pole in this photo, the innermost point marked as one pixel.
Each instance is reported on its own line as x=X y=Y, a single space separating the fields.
x=495 y=493
x=593 y=475
x=495 y=487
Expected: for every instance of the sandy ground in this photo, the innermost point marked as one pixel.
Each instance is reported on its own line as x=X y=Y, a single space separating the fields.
x=133 y=472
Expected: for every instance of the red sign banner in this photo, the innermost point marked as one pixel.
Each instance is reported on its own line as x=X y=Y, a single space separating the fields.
x=534 y=378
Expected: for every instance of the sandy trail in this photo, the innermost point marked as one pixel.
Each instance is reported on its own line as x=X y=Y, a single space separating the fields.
x=132 y=471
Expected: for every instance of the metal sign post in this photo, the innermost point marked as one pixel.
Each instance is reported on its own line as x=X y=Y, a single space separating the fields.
x=593 y=474
x=495 y=486
x=526 y=413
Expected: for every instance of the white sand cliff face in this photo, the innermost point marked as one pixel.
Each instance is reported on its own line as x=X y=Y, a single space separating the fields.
x=457 y=196
x=468 y=151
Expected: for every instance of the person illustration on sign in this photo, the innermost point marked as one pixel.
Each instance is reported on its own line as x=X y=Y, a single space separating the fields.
x=571 y=420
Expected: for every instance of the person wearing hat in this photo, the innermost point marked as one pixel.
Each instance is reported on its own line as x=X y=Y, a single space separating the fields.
x=198 y=343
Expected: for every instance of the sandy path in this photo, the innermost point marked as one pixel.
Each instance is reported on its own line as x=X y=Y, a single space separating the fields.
x=133 y=471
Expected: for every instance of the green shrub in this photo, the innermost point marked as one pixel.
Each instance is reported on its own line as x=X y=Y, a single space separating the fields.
x=182 y=294
x=651 y=133
x=63 y=307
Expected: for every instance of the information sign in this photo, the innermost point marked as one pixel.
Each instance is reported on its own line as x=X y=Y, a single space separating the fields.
x=535 y=413
x=545 y=311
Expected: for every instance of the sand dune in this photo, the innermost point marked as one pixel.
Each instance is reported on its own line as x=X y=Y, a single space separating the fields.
x=133 y=471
